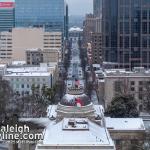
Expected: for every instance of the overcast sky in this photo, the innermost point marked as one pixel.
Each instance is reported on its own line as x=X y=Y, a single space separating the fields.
x=80 y=7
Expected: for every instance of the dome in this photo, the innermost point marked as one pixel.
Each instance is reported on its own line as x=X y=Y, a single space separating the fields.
x=75 y=100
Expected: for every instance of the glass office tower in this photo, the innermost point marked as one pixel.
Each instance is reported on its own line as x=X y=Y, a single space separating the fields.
x=39 y=13
x=97 y=8
x=7 y=20
x=126 y=32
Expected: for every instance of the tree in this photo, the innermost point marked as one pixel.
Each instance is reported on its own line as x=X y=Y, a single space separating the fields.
x=6 y=94
x=122 y=106
x=146 y=96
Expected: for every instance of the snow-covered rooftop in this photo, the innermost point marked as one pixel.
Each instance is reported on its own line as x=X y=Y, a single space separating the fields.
x=18 y=63
x=137 y=72
x=28 y=74
x=33 y=49
x=124 y=123
x=97 y=65
x=54 y=134
x=75 y=29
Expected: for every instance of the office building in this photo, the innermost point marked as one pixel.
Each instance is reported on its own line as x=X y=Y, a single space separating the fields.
x=7 y=15
x=6 y=45
x=116 y=81
x=66 y=32
x=22 y=78
x=126 y=32
x=97 y=8
x=14 y=46
x=88 y=29
x=36 y=13
x=96 y=48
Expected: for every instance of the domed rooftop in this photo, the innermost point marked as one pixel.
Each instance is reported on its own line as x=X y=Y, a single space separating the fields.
x=75 y=100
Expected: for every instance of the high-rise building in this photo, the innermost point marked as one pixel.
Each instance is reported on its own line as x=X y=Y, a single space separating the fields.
x=37 y=13
x=14 y=44
x=96 y=48
x=126 y=34
x=66 y=34
x=7 y=15
x=88 y=29
x=97 y=8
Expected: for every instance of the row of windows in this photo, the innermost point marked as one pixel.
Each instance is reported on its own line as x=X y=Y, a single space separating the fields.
x=127 y=42
x=118 y=85
x=126 y=28
x=32 y=79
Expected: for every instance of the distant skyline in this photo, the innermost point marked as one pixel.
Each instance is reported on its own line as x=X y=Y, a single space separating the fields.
x=80 y=7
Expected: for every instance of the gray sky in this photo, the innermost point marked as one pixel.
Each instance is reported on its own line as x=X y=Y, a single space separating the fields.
x=80 y=7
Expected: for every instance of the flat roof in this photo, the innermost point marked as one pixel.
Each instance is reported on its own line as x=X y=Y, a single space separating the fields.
x=28 y=74
x=95 y=135
x=124 y=123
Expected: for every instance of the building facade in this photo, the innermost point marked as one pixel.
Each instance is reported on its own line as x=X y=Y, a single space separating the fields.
x=49 y=13
x=97 y=8
x=14 y=46
x=7 y=15
x=119 y=81
x=96 y=48
x=37 y=56
x=22 y=78
x=88 y=29
x=126 y=32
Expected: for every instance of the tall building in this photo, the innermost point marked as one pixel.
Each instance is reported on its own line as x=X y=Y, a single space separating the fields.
x=96 y=48
x=13 y=46
x=37 y=13
x=88 y=28
x=97 y=8
x=126 y=32
x=7 y=14
x=66 y=34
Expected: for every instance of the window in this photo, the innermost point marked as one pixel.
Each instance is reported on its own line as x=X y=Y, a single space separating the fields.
x=126 y=27
x=127 y=12
x=144 y=14
x=132 y=83
x=132 y=89
x=117 y=86
x=121 y=41
x=126 y=42
x=144 y=27
x=121 y=27
x=22 y=86
x=140 y=96
x=144 y=57
x=28 y=86
x=140 y=82
x=144 y=41
x=140 y=89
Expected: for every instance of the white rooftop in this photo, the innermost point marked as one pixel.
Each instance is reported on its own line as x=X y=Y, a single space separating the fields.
x=18 y=63
x=33 y=49
x=97 y=65
x=74 y=29
x=95 y=135
x=124 y=123
x=34 y=74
